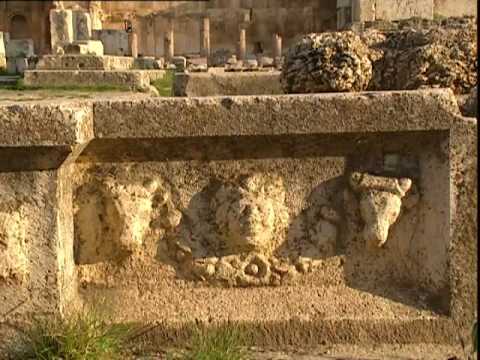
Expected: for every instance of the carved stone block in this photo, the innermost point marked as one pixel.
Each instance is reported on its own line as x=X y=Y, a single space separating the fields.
x=111 y=219
x=380 y=204
x=61 y=28
x=13 y=252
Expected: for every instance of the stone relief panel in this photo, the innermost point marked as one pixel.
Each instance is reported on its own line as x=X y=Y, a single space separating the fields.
x=13 y=249
x=250 y=215
x=111 y=219
x=380 y=201
x=235 y=234
x=83 y=25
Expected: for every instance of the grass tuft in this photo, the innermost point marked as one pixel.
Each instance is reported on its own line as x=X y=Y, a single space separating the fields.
x=217 y=344
x=165 y=84
x=20 y=86
x=85 y=336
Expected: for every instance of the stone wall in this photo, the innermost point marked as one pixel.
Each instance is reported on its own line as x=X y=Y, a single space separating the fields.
x=115 y=42
x=283 y=214
x=82 y=62
x=289 y=18
x=349 y=11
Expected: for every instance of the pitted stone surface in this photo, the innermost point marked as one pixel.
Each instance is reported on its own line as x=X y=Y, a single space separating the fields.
x=327 y=62
x=407 y=58
x=413 y=290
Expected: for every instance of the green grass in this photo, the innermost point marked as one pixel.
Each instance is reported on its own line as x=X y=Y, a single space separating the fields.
x=217 y=344
x=84 y=336
x=4 y=72
x=20 y=86
x=165 y=84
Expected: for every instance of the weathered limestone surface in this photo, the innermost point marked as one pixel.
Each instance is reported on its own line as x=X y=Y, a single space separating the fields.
x=439 y=55
x=61 y=29
x=406 y=56
x=36 y=223
x=217 y=82
x=248 y=209
x=59 y=125
x=85 y=47
x=134 y=79
x=3 y=57
x=82 y=26
x=327 y=62
x=470 y=106
x=2 y=44
x=81 y=62
x=115 y=42
x=19 y=48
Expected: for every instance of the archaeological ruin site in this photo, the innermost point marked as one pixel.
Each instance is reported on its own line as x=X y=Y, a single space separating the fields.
x=304 y=172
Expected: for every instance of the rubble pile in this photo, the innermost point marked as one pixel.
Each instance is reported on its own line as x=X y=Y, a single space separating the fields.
x=331 y=61
x=415 y=54
x=441 y=56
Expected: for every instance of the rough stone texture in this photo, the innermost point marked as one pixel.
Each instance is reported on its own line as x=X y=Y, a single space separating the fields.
x=327 y=62
x=115 y=42
x=438 y=56
x=111 y=220
x=217 y=82
x=14 y=260
x=12 y=65
x=19 y=48
x=470 y=106
x=180 y=63
x=85 y=47
x=133 y=79
x=2 y=45
x=403 y=9
x=405 y=55
x=83 y=62
x=380 y=204
x=66 y=125
x=219 y=57
x=61 y=30
x=455 y=8
x=82 y=26
x=147 y=62
x=336 y=352
x=246 y=166
x=21 y=64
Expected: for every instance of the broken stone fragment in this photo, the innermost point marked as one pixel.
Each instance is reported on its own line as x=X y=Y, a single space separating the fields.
x=380 y=204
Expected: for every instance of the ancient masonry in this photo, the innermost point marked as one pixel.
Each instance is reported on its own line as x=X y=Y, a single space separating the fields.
x=286 y=214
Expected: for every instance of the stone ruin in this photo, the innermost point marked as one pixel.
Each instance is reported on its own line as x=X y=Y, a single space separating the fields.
x=285 y=214
x=404 y=56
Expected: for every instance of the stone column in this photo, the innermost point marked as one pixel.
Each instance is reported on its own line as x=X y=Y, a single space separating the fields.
x=205 y=38
x=277 y=45
x=242 y=44
x=133 y=44
x=156 y=38
x=151 y=43
x=169 y=41
x=96 y=14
